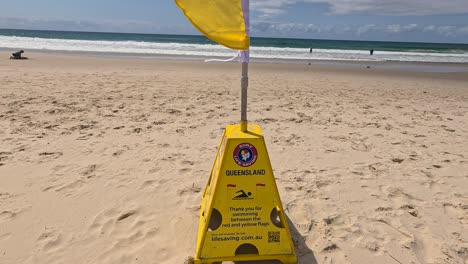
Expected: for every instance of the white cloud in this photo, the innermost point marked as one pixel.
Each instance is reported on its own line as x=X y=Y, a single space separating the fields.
x=410 y=27
x=365 y=29
x=397 y=28
x=430 y=28
x=94 y=25
x=284 y=29
x=271 y=7
x=374 y=7
x=312 y=28
x=448 y=31
x=368 y=31
x=463 y=31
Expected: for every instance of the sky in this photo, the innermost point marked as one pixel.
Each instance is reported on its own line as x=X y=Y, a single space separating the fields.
x=443 y=21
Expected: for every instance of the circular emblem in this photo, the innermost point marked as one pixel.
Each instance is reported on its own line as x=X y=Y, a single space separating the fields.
x=245 y=155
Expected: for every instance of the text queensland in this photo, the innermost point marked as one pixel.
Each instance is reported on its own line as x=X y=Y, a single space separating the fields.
x=245 y=172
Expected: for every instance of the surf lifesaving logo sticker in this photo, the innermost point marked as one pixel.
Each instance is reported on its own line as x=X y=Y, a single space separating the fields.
x=245 y=155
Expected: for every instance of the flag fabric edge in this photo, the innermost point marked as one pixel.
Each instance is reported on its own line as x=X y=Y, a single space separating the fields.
x=245 y=44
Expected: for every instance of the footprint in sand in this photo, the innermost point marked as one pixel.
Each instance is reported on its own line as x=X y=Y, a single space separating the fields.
x=137 y=130
x=151 y=185
x=397 y=160
x=398 y=193
x=302 y=215
x=290 y=140
x=361 y=146
x=333 y=254
x=6 y=196
x=51 y=155
x=130 y=229
x=171 y=157
x=4 y=156
x=192 y=189
x=121 y=151
x=187 y=162
x=164 y=145
x=126 y=215
x=85 y=137
x=410 y=209
x=89 y=172
x=50 y=241
x=322 y=182
x=5 y=237
x=154 y=170
x=456 y=211
x=103 y=222
x=71 y=188
x=7 y=215
x=184 y=170
x=186 y=166
x=378 y=169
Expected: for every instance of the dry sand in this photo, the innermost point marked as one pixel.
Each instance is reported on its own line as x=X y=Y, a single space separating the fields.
x=103 y=160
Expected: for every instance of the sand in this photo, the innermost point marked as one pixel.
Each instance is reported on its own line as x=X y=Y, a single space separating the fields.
x=104 y=160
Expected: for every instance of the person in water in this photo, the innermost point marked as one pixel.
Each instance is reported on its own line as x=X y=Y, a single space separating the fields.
x=371 y=52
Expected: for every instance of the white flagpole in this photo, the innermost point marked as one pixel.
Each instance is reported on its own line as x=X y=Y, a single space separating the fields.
x=244 y=86
x=245 y=57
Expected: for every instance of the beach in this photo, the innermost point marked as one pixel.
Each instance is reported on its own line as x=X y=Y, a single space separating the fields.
x=104 y=159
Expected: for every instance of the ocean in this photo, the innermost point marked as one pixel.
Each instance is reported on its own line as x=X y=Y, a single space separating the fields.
x=270 y=49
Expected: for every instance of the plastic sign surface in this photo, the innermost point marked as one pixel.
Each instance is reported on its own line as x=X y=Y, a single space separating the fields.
x=241 y=216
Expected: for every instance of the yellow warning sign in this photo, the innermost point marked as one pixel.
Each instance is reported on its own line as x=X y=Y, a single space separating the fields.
x=241 y=216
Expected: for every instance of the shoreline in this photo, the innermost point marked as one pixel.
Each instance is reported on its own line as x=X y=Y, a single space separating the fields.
x=428 y=67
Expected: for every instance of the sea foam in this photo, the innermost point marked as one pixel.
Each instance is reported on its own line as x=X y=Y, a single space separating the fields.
x=210 y=50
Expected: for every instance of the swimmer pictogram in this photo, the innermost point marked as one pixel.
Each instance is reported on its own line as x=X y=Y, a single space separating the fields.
x=243 y=195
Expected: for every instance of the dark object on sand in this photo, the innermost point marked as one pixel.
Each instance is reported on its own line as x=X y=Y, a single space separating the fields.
x=17 y=56
x=371 y=52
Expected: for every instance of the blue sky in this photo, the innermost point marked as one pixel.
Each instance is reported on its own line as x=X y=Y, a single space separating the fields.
x=397 y=20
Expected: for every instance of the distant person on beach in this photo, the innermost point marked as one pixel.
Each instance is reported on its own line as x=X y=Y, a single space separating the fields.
x=17 y=56
x=310 y=50
x=371 y=52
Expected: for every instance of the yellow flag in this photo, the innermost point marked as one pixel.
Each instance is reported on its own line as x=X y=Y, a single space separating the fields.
x=220 y=20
